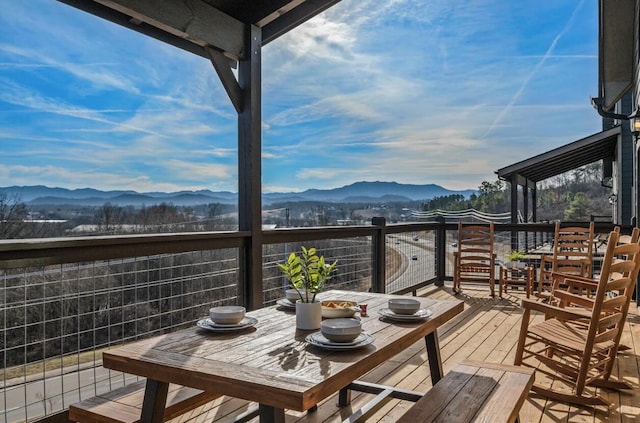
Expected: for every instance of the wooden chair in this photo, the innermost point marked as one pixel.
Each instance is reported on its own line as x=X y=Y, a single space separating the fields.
x=475 y=260
x=586 y=287
x=572 y=255
x=579 y=338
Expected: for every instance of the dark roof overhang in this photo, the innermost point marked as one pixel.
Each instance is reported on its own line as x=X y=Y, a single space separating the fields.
x=195 y=25
x=615 y=50
x=571 y=156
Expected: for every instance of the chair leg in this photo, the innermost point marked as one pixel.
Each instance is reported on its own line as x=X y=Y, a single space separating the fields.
x=492 y=283
x=611 y=384
x=581 y=381
x=569 y=398
x=522 y=337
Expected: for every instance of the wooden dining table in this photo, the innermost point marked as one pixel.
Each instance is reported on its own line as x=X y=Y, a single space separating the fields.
x=271 y=363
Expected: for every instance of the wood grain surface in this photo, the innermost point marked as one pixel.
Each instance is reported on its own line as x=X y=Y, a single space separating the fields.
x=271 y=363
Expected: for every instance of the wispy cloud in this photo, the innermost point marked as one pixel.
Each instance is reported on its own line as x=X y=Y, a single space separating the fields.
x=535 y=70
x=415 y=91
x=22 y=96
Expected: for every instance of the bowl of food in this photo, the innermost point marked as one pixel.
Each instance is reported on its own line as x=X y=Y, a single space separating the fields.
x=404 y=305
x=341 y=330
x=227 y=315
x=332 y=309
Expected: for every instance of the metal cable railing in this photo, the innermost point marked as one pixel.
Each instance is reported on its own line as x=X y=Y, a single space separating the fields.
x=57 y=318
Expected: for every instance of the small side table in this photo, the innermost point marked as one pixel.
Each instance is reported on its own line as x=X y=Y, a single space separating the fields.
x=520 y=274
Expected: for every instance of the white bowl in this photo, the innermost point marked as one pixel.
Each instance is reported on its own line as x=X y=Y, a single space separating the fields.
x=227 y=315
x=404 y=305
x=341 y=330
x=292 y=295
x=332 y=309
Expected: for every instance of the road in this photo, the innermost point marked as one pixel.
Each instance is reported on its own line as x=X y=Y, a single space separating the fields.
x=411 y=271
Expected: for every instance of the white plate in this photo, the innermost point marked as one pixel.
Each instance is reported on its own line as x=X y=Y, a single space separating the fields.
x=421 y=314
x=362 y=340
x=209 y=324
x=318 y=337
x=284 y=302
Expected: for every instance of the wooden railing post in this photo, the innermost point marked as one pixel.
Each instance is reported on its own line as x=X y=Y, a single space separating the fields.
x=379 y=278
x=441 y=251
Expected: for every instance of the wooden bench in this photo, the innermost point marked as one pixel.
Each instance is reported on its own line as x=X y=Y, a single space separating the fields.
x=124 y=405
x=474 y=392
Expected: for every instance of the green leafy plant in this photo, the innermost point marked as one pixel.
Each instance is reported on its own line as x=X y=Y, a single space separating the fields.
x=516 y=255
x=307 y=273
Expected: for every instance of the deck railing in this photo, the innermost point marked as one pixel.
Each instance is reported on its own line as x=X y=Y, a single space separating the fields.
x=65 y=300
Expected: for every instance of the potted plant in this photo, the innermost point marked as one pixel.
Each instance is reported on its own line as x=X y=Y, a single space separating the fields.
x=307 y=274
x=515 y=256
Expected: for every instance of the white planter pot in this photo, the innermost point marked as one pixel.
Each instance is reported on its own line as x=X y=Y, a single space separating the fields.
x=308 y=315
x=516 y=264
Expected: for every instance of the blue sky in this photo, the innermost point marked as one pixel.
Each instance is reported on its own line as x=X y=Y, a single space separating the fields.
x=412 y=91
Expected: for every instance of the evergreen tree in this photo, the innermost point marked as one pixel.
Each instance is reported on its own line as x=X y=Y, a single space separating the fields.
x=578 y=208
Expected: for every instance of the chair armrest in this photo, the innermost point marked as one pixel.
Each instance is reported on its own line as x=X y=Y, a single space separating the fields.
x=551 y=310
x=575 y=279
x=567 y=298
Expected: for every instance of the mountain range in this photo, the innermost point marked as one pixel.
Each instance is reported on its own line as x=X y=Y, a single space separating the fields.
x=359 y=192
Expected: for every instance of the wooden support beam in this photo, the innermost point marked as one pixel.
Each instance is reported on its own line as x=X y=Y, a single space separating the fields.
x=534 y=201
x=223 y=67
x=379 y=255
x=250 y=169
x=525 y=206
x=514 y=200
x=194 y=20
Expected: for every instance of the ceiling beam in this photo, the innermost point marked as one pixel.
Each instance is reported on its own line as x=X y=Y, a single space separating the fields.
x=272 y=10
x=179 y=22
x=293 y=18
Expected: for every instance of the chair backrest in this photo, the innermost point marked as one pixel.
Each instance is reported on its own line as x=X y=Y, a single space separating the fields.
x=633 y=238
x=475 y=243
x=615 y=287
x=573 y=250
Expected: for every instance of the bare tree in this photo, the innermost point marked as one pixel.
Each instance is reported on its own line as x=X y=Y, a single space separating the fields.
x=213 y=211
x=108 y=217
x=13 y=213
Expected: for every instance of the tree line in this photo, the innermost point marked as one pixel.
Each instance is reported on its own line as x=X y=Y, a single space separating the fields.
x=19 y=221
x=573 y=196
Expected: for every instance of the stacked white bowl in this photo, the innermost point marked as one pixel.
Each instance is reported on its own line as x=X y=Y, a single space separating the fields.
x=227 y=315
x=292 y=295
x=404 y=305
x=341 y=330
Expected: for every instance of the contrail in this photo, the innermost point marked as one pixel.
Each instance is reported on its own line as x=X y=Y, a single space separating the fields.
x=537 y=67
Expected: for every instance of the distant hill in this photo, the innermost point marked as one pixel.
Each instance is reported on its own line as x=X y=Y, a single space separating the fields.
x=376 y=190
x=359 y=192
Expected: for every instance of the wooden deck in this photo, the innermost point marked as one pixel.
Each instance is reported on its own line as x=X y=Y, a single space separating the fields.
x=487 y=330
